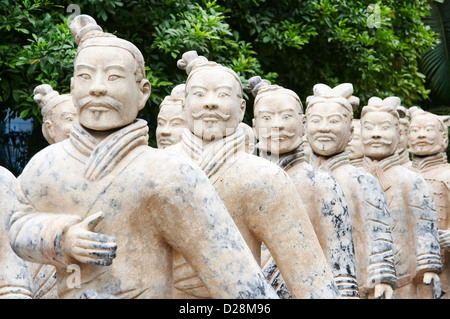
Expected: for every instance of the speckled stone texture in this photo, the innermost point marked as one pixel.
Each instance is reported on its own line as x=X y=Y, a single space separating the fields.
x=15 y=273
x=148 y=197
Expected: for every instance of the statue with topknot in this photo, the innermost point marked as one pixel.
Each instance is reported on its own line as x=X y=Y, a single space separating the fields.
x=329 y=114
x=278 y=124
x=16 y=280
x=104 y=206
x=259 y=195
x=170 y=120
x=58 y=113
x=411 y=206
x=428 y=137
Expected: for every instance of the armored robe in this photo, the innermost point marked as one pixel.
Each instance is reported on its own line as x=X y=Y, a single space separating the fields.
x=328 y=211
x=257 y=193
x=414 y=224
x=15 y=273
x=371 y=221
x=404 y=158
x=148 y=196
x=436 y=171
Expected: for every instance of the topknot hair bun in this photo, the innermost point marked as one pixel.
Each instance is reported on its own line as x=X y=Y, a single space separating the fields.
x=255 y=83
x=43 y=94
x=189 y=60
x=81 y=25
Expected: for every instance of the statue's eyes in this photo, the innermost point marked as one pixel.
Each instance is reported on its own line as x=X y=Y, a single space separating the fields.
x=199 y=94
x=85 y=76
x=223 y=94
x=113 y=77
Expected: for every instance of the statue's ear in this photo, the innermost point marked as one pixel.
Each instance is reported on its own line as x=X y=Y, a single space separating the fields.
x=242 y=107
x=48 y=130
x=146 y=89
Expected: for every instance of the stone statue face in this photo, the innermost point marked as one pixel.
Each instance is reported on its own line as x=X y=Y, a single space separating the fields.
x=380 y=135
x=58 y=127
x=278 y=123
x=355 y=147
x=328 y=130
x=425 y=136
x=170 y=126
x=404 y=135
x=213 y=108
x=105 y=90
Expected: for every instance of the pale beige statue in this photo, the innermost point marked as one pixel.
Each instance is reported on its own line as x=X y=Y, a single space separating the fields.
x=15 y=273
x=414 y=219
x=355 y=147
x=402 y=148
x=170 y=120
x=250 y=138
x=428 y=137
x=278 y=123
x=58 y=113
x=329 y=114
x=107 y=210
x=259 y=195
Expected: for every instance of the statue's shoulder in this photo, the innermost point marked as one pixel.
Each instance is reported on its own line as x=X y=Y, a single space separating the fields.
x=168 y=165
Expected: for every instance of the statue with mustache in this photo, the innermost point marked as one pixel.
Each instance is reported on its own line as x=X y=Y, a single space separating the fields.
x=170 y=120
x=259 y=195
x=104 y=204
x=428 y=137
x=416 y=246
x=329 y=114
x=278 y=124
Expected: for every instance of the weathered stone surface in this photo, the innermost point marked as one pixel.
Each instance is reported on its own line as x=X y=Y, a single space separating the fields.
x=258 y=194
x=429 y=140
x=58 y=113
x=15 y=273
x=411 y=205
x=277 y=114
x=329 y=116
x=107 y=210
x=170 y=121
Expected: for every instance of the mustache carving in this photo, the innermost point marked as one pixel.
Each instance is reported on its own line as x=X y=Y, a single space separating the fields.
x=380 y=141
x=275 y=134
x=419 y=141
x=104 y=101
x=206 y=113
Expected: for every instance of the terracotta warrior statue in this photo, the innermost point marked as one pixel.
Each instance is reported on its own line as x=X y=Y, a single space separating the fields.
x=414 y=219
x=170 y=121
x=278 y=118
x=15 y=273
x=258 y=194
x=355 y=147
x=58 y=113
x=329 y=114
x=250 y=138
x=402 y=148
x=107 y=210
x=428 y=137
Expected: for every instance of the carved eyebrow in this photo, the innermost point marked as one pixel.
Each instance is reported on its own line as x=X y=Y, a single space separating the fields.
x=85 y=65
x=115 y=66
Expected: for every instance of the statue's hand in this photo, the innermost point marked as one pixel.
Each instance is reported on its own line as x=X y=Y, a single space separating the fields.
x=383 y=290
x=429 y=277
x=86 y=246
x=444 y=238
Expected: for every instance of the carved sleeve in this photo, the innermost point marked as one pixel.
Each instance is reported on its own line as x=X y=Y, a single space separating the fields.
x=15 y=274
x=36 y=236
x=381 y=267
x=423 y=210
x=337 y=228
